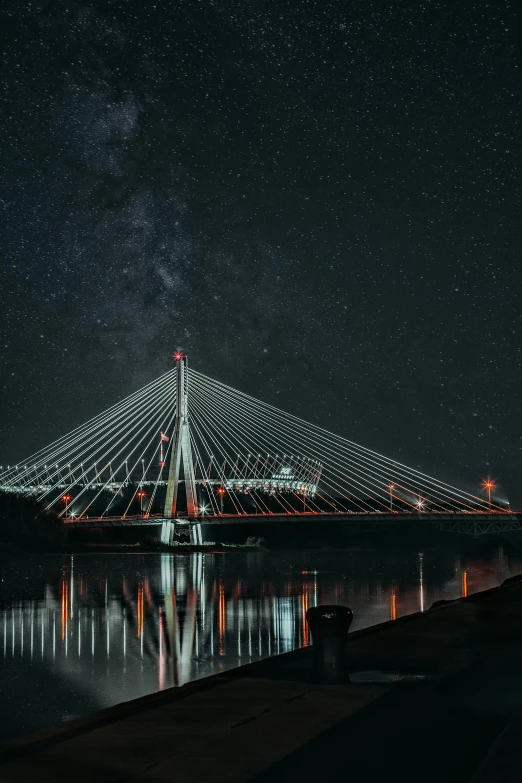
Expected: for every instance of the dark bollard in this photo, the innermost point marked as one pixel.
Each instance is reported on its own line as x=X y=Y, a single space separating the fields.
x=329 y=627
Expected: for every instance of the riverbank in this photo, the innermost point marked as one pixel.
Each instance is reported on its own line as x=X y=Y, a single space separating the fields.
x=159 y=548
x=438 y=694
x=108 y=548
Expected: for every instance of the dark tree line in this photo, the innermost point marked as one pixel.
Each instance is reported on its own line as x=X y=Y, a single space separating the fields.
x=25 y=522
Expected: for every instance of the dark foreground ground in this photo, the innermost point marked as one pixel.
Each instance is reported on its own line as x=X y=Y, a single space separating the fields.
x=434 y=697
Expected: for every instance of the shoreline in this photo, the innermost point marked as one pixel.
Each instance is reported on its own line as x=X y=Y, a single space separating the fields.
x=129 y=549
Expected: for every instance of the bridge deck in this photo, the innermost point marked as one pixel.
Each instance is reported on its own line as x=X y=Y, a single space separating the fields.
x=482 y=522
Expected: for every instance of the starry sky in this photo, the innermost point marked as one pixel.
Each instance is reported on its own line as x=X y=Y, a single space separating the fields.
x=318 y=201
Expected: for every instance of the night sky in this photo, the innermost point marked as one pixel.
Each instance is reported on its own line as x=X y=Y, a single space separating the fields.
x=319 y=201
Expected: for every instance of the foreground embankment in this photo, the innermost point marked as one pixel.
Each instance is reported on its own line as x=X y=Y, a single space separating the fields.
x=434 y=696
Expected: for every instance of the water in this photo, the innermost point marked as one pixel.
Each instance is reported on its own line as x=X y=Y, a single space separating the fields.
x=80 y=633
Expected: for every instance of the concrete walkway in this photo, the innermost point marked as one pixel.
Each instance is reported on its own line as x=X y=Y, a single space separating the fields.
x=434 y=697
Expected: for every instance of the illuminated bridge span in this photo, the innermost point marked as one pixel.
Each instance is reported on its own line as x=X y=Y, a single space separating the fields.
x=186 y=448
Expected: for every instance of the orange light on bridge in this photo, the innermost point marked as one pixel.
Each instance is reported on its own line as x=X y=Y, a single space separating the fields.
x=391 y=487
x=220 y=492
x=488 y=486
x=141 y=495
x=66 y=499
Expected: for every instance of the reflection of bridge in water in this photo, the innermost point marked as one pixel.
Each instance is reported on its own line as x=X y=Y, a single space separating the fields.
x=187 y=450
x=186 y=624
x=108 y=628
x=188 y=614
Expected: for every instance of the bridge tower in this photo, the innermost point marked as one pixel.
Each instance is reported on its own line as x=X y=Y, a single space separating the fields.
x=181 y=450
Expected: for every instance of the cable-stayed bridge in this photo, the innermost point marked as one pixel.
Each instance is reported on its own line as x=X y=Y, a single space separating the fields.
x=187 y=449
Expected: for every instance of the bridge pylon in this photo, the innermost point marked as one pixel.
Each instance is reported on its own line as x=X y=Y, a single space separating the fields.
x=181 y=450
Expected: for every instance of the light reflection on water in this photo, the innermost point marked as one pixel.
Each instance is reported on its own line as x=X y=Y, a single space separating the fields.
x=79 y=633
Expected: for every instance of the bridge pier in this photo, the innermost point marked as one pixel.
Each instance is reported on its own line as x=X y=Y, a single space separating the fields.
x=168 y=530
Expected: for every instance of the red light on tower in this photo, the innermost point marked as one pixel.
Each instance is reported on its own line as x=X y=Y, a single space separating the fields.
x=178 y=356
x=66 y=498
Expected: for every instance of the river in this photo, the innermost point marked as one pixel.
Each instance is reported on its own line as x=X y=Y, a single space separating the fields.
x=82 y=632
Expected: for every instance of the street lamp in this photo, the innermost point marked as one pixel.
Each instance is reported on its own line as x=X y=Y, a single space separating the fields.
x=221 y=493
x=391 y=488
x=66 y=500
x=420 y=504
x=141 y=494
x=489 y=485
